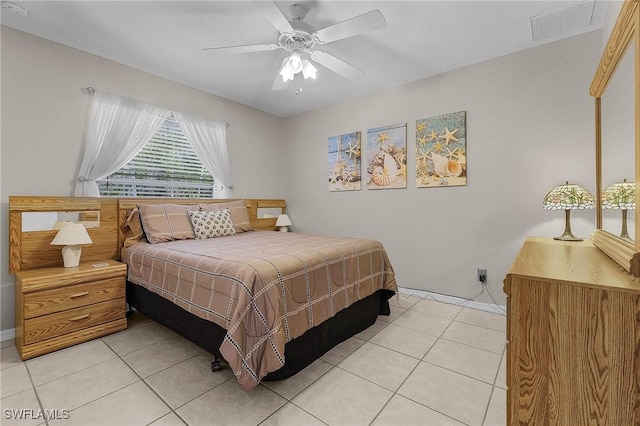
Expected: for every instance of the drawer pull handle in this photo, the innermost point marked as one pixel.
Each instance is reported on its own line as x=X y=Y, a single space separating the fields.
x=75 y=296
x=79 y=317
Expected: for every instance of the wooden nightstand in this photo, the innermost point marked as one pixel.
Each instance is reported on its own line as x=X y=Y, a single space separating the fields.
x=60 y=307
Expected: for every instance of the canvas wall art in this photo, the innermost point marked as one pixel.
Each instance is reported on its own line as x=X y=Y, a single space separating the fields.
x=387 y=157
x=441 y=150
x=344 y=162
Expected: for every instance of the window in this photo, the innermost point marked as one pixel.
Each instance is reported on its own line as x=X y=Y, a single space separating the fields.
x=165 y=167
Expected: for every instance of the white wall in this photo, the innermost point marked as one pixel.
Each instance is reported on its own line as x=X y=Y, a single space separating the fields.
x=43 y=115
x=530 y=127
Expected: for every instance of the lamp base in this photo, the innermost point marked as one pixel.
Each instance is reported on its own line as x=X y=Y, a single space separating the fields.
x=624 y=233
x=284 y=229
x=71 y=256
x=567 y=236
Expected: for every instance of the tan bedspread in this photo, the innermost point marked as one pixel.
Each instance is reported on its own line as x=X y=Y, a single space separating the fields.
x=264 y=288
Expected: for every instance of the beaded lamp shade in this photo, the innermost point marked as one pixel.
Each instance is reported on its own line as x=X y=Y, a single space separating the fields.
x=620 y=196
x=568 y=197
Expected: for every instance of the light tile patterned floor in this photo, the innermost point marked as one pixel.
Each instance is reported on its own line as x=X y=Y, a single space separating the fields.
x=429 y=363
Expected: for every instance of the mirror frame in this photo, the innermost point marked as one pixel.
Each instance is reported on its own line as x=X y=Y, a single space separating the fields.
x=626 y=30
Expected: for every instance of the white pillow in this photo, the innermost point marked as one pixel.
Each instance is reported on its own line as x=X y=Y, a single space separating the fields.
x=212 y=224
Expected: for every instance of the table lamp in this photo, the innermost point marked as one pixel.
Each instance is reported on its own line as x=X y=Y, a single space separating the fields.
x=620 y=196
x=283 y=222
x=71 y=236
x=568 y=197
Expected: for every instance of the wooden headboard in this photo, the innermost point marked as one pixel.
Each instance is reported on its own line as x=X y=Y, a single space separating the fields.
x=33 y=249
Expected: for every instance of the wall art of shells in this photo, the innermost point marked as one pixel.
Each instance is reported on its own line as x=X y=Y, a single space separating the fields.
x=441 y=147
x=344 y=162
x=387 y=157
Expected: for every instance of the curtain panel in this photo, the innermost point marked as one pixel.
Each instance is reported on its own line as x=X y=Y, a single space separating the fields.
x=209 y=141
x=117 y=129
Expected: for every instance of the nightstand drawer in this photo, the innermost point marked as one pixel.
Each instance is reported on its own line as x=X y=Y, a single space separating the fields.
x=61 y=299
x=57 y=324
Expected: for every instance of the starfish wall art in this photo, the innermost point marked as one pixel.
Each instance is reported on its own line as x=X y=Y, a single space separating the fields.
x=441 y=150
x=344 y=162
x=387 y=157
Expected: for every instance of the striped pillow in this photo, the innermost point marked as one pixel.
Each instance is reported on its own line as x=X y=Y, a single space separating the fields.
x=239 y=213
x=166 y=222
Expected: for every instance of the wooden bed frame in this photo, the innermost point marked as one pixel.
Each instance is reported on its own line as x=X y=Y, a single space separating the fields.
x=33 y=249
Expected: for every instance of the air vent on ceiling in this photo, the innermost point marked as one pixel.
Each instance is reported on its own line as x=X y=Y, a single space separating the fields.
x=562 y=21
x=9 y=6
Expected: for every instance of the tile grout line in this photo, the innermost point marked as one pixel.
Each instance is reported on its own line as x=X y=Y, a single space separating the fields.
x=411 y=372
x=33 y=388
x=171 y=410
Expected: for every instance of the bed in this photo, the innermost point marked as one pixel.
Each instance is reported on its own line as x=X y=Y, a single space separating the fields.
x=269 y=303
x=261 y=290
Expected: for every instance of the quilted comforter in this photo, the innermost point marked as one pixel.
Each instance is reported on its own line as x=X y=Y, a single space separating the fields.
x=265 y=288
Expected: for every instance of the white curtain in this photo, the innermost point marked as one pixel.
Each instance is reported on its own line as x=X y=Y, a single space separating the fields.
x=117 y=129
x=209 y=141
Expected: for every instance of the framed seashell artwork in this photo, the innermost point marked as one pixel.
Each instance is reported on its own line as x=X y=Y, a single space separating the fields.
x=441 y=150
x=387 y=157
x=344 y=162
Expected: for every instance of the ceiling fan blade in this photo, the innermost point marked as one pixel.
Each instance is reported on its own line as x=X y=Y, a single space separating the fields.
x=364 y=23
x=272 y=12
x=336 y=65
x=278 y=83
x=242 y=49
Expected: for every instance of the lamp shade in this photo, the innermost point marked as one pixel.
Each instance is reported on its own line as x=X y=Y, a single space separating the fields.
x=295 y=64
x=308 y=70
x=620 y=196
x=71 y=234
x=568 y=197
x=283 y=220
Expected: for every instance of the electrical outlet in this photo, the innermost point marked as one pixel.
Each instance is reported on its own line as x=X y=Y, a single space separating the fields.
x=482 y=275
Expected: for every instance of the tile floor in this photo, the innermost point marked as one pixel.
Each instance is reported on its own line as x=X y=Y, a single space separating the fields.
x=429 y=363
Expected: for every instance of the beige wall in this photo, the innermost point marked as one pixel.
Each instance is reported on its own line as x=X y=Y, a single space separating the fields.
x=43 y=114
x=529 y=128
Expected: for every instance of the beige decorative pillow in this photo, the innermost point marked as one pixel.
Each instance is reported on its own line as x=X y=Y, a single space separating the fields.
x=133 y=231
x=212 y=223
x=166 y=222
x=239 y=213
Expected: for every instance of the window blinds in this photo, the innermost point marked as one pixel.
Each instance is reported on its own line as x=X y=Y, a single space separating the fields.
x=165 y=167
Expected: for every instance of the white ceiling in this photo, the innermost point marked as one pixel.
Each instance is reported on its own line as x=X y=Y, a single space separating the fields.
x=166 y=38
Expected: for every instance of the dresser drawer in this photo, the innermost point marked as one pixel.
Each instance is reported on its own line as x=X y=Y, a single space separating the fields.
x=61 y=299
x=56 y=324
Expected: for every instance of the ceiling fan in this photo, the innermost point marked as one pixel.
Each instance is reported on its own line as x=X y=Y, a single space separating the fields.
x=300 y=39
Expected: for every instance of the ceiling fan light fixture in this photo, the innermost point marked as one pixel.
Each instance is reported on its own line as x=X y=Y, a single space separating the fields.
x=286 y=73
x=295 y=62
x=308 y=70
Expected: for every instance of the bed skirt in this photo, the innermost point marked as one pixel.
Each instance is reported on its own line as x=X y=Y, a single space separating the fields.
x=299 y=352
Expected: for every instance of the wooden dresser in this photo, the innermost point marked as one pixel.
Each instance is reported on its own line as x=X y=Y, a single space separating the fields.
x=573 y=331
x=59 y=307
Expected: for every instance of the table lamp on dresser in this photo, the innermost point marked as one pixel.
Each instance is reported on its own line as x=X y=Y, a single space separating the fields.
x=620 y=196
x=568 y=197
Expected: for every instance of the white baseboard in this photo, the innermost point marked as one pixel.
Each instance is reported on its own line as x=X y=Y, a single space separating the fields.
x=423 y=294
x=7 y=334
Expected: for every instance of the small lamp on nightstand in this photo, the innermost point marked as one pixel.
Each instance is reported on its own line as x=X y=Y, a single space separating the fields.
x=568 y=197
x=620 y=196
x=71 y=236
x=283 y=222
